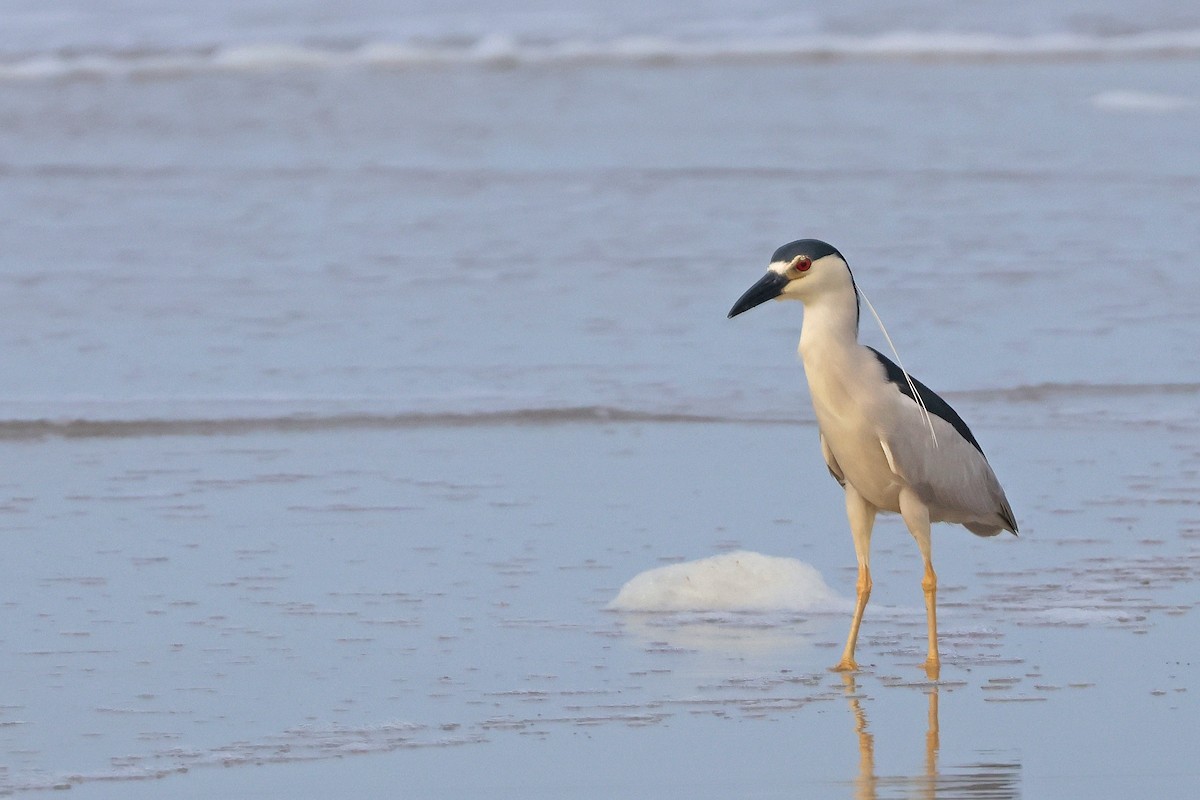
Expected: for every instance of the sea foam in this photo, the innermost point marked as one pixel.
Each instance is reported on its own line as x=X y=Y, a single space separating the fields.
x=739 y=581
x=1140 y=102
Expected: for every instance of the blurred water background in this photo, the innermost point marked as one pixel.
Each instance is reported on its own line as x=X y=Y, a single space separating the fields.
x=355 y=355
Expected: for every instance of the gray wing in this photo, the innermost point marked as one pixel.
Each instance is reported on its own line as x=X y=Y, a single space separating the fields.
x=952 y=476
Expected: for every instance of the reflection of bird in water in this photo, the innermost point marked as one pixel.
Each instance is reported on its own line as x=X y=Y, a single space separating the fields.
x=995 y=780
x=866 y=783
x=889 y=441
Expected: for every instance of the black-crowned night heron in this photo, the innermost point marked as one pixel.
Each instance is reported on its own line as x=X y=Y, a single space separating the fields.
x=889 y=441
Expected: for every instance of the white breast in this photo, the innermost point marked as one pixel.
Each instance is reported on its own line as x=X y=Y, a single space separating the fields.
x=853 y=403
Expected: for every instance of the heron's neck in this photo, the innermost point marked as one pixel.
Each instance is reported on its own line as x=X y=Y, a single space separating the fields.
x=830 y=324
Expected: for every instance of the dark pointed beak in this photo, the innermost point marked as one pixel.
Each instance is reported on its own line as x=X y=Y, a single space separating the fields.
x=768 y=287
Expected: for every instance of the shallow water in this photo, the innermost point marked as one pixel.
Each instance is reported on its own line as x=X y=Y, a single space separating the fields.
x=296 y=599
x=342 y=397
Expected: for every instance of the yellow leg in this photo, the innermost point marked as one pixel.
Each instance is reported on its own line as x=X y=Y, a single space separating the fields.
x=916 y=518
x=929 y=584
x=862 y=520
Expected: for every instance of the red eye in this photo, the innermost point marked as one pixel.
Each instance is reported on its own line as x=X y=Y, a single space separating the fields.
x=802 y=263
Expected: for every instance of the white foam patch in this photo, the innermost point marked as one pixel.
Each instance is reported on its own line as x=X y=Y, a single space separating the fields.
x=1140 y=101
x=741 y=581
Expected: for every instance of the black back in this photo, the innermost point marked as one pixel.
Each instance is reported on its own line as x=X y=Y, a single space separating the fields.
x=934 y=404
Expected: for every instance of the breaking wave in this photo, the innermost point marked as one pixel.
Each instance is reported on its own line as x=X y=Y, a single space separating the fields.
x=499 y=50
x=303 y=423
x=28 y=419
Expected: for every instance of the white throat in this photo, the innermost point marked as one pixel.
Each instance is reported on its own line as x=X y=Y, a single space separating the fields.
x=830 y=321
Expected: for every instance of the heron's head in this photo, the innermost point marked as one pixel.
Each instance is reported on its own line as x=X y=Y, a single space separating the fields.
x=804 y=270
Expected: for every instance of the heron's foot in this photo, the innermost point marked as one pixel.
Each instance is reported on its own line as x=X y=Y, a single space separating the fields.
x=845 y=665
x=933 y=668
